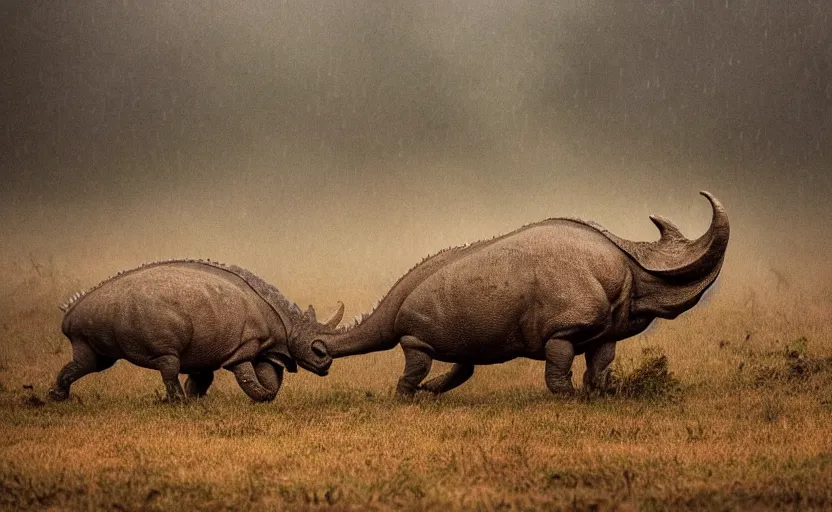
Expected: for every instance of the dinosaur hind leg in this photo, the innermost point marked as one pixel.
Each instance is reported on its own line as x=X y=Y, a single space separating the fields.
x=197 y=384
x=84 y=361
x=457 y=375
x=417 y=363
x=168 y=365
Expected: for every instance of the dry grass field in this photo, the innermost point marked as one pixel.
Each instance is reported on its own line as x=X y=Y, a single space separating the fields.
x=741 y=423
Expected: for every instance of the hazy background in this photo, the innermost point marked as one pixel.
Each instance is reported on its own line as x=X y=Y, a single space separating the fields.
x=328 y=146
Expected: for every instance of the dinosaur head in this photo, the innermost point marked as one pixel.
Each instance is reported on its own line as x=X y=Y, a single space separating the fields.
x=306 y=346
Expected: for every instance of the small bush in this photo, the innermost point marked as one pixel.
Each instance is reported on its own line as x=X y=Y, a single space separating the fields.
x=651 y=379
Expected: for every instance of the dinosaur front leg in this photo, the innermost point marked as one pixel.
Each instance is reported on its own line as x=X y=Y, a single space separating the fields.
x=417 y=365
x=270 y=375
x=197 y=384
x=598 y=360
x=559 y=356
x=248 y=380
x=457 y=375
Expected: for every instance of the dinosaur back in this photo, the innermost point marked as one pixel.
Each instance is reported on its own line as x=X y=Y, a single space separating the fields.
x=285 y=309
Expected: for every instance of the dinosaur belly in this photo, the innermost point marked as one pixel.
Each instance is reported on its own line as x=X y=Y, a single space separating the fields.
x=468 y=318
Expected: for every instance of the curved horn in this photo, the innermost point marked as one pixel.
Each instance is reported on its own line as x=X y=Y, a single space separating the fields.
x=709 y=249
x=336 y=317
x=667 y=229
x=673 y=255
x=719 y=221
x=310 y=313
x=699 y=256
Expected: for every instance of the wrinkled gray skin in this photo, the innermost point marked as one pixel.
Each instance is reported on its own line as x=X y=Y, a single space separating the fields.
x=191 y=317
x=547 y=291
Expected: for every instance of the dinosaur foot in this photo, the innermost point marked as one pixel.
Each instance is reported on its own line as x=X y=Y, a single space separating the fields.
x=427 y=388
x=563 y=390
x=406 y=392
x=58 y=395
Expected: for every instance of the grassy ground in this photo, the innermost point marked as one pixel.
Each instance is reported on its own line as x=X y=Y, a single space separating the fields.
x=747 y=426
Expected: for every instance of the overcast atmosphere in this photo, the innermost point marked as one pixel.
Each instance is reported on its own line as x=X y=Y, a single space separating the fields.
x=328 y=146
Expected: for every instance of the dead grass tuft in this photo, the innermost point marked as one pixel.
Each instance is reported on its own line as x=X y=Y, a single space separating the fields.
x=33 y=401
x=793 y=364
x=233 y=429
x=650 y=380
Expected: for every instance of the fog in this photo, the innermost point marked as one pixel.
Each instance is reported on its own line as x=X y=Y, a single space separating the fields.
x=329 y=146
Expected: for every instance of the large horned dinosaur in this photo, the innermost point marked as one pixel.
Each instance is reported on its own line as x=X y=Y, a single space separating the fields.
x=192 y=317
x=547 y=291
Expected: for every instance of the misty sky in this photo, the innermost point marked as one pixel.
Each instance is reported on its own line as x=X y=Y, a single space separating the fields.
x=135 y=130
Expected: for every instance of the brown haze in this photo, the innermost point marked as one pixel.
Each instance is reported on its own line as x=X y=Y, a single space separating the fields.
x=329 y=146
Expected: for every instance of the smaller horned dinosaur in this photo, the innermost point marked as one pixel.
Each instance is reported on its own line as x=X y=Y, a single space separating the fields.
x=191 y=317
x=548 y=291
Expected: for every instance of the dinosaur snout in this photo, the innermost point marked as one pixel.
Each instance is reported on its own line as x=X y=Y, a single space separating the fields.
x=325 y=367
x=322 y=358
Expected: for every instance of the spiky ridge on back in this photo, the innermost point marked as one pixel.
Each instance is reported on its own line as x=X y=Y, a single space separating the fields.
x=266 y=291
x=462 y=249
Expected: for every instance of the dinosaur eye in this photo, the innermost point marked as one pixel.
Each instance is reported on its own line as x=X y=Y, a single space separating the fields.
x=319 y=348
